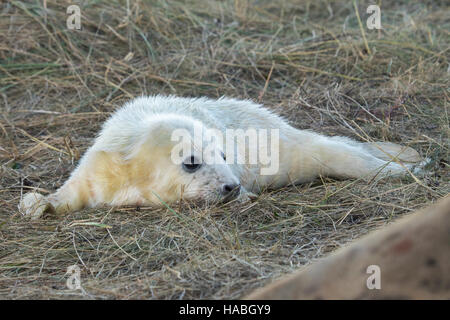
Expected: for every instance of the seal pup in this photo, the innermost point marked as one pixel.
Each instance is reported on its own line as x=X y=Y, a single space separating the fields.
x=132 y=160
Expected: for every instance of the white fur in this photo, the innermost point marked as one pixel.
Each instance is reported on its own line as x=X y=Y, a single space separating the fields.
x=141 y=129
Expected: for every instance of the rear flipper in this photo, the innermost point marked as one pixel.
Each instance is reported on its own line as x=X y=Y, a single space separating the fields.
x=344 y=158
x=389 y=151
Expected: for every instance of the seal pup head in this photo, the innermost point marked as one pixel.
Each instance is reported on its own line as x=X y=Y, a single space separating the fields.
x=172 y=157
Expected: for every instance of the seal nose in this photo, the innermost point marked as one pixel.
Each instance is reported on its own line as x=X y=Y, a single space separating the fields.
x=231 y=189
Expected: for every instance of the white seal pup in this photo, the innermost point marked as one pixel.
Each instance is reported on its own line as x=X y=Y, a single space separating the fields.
x=160 y=149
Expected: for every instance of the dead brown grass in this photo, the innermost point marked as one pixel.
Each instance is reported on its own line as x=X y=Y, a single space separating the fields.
x=304 y=59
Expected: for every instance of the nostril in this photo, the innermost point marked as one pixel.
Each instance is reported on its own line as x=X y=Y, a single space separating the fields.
x=230 y=188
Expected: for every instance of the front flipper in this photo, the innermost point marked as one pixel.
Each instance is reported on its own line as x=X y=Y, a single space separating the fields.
x=35 y=205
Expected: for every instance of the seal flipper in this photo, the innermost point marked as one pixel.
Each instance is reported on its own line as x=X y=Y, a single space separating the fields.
x=35 y=205
x=389 y=151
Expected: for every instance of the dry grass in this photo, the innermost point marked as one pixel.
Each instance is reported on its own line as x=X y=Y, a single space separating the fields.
x=305 y=59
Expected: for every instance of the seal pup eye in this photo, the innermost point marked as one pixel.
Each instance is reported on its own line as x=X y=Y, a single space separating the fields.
x=191 y=164
x=223 y=156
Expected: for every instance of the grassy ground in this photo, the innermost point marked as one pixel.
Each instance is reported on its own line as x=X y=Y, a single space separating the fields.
x=311 y=61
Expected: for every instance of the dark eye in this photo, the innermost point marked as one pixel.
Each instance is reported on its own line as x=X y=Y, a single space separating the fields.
x=191 y=164
x=223 y=156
